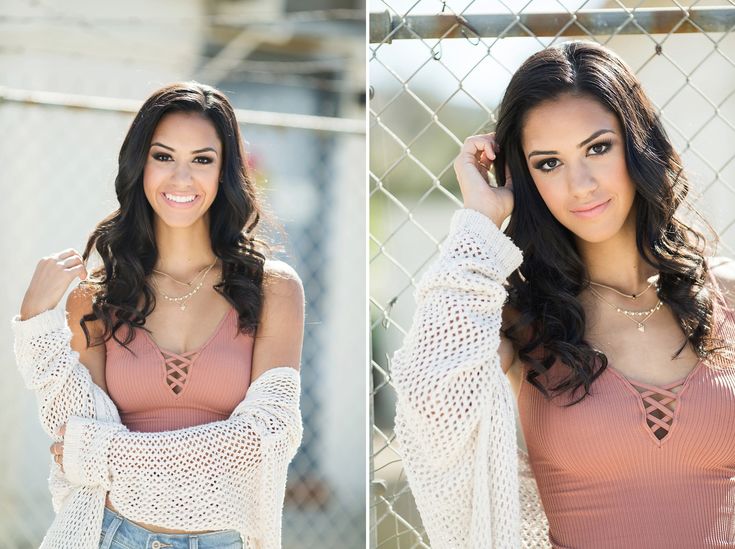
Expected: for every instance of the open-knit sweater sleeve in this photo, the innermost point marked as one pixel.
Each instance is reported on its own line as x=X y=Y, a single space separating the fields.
x=455 y=417
x=51 y=369
x=208 y=477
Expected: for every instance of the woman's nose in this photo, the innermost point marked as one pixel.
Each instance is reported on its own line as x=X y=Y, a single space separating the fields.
x=581 y=180
x=182 y=171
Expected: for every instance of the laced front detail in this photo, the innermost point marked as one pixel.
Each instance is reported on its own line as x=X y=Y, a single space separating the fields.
x=659 y=403
x=178 y=368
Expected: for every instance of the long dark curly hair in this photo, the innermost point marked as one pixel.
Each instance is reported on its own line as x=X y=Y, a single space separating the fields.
x=550 y=321
x=125 y=239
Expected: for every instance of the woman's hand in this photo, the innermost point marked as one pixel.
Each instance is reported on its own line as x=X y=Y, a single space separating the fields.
x=57 y=448
x=50 y=280
x=472 y=167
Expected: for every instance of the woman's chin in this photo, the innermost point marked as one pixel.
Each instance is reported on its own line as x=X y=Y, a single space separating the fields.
x=178 y=222
x=591 y=236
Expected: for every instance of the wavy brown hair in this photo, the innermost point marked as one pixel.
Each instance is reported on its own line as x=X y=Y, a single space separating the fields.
x=125 y=239
x=550 y=323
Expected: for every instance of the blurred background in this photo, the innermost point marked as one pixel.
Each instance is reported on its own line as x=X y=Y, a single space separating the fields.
x=72 y=75
x=437 y=72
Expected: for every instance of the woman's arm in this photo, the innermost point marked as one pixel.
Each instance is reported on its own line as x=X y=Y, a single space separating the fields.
x=51 y=368
x=192 y=478
x=452 y=395
x=198 y=478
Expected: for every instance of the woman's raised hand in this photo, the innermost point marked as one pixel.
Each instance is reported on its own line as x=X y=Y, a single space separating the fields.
x=472 y=166
x=50 y=281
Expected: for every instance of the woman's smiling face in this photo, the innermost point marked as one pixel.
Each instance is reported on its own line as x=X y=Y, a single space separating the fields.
x=184 y=160
x=575 y=152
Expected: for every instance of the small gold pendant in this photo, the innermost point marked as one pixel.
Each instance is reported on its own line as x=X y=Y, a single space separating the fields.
x=641 y=328
x=183 y=307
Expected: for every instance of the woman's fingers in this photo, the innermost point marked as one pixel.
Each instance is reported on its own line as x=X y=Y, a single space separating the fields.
x=475 y=158
x=57 y=450
x=477 y=145
x=73 y=263
x=50 y=280
x=472 y=167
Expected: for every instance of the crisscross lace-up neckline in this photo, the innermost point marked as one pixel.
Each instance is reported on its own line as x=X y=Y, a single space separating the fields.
x=178 y=366
x=660 y=402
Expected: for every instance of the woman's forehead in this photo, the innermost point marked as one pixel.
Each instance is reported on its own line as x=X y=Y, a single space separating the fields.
x=566 y=120
x=188 y=131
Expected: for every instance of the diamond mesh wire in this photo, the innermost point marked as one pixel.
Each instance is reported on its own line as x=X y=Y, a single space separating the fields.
x=437 y=71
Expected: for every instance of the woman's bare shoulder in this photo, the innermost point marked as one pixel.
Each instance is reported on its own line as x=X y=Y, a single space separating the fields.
x=79 y=303
x=280 y=278
x=723 y=269
x=283 y=290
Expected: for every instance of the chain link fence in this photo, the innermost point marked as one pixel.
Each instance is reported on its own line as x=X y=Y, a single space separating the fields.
x=437 y=72
x=70 y=83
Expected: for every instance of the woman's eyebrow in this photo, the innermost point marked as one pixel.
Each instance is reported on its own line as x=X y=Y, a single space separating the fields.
x=192 y=152
x=598 y=133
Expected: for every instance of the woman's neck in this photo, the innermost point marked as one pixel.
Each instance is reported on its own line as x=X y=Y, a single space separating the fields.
x=183 y=251
x=617 y=263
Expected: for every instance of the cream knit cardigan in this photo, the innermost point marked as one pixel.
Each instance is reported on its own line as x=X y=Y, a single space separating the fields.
x=455 y=414
x=228 y=474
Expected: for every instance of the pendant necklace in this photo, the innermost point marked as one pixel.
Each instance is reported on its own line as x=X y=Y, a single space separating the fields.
x=632 y=314
x=184 y=298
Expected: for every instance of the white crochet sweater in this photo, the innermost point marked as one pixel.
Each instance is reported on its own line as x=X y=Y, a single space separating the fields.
x=228 y=474
x=455 y=413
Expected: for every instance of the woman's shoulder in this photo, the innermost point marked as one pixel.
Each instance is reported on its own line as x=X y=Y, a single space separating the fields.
x=281 y=281
x=723 y=271
x=79 y=303
x=94 y=358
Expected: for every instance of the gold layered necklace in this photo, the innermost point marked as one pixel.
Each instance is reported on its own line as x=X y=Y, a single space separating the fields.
x=629 y=296
x=632 y=315
x=181 y=301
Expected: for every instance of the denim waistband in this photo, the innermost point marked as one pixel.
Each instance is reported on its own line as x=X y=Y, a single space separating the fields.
x=128 y=535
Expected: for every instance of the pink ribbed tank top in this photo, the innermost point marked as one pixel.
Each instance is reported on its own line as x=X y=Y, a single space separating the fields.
x=606 y=480
x=158 y=390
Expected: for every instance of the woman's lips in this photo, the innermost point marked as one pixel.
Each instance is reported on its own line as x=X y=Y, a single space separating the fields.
x=593 y=212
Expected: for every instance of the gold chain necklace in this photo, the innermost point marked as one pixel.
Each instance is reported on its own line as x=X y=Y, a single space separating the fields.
x=629 y=296
x=184 y=298
x=631 y=314
x=185 y=283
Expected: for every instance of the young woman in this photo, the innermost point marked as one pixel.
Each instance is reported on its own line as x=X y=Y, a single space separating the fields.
x=595 y=309
x=173 y=393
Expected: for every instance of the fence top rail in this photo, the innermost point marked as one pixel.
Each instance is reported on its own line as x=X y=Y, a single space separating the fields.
x=244 y=116
x=384 y=27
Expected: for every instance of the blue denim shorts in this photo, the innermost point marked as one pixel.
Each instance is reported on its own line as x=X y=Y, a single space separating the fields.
x=120 y=533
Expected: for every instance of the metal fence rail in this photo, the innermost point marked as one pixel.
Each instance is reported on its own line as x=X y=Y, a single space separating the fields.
x=437 y=73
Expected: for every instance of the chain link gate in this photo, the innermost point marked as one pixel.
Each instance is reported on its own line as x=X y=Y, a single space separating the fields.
x=437 y=74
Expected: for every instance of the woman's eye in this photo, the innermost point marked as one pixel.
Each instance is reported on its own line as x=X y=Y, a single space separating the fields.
x=548 y=165
x=163 y=157
x=600 y=148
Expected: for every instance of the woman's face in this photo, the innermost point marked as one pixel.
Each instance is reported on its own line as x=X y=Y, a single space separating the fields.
x=574 y=150
x=184 y=160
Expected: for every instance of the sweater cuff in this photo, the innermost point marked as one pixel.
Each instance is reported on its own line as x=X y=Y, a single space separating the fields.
x=86 y=445
x=48 y=321
x=464 y=220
